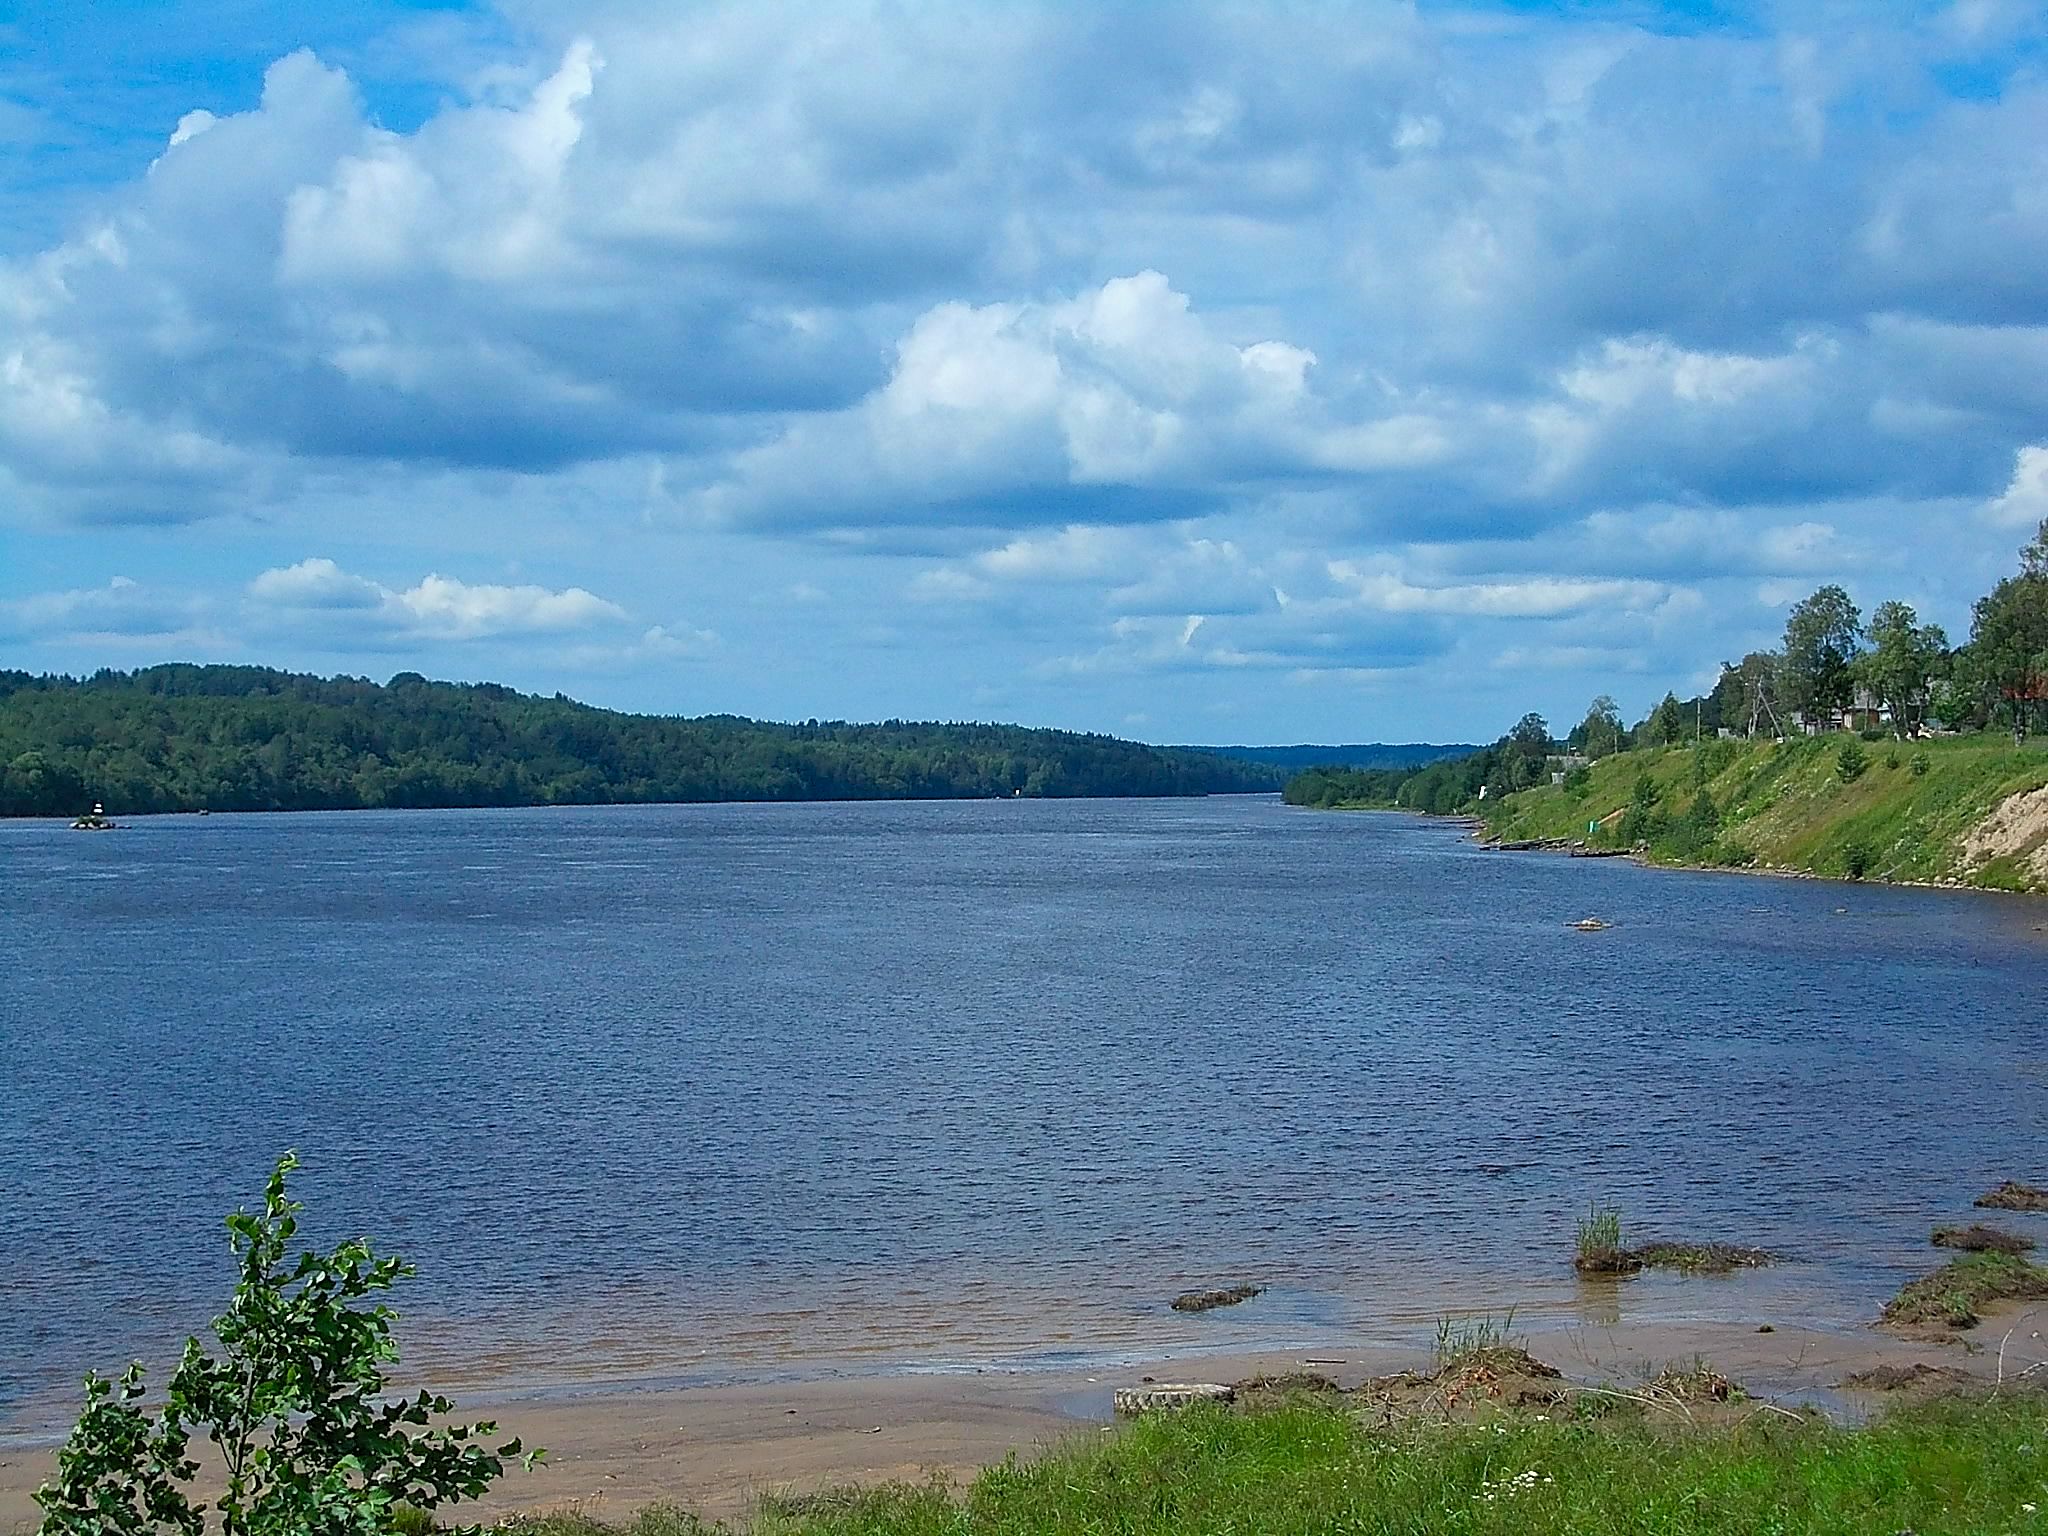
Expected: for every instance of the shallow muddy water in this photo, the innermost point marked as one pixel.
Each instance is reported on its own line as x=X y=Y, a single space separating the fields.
x=675 y=1092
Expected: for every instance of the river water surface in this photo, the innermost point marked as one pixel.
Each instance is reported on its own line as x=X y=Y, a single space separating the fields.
x=667 y=1093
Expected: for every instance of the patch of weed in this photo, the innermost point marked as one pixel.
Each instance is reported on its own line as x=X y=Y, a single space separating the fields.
x=1702 y=1258
x=1952 y=1296
x=1978 y=1238
x=1599 y=1244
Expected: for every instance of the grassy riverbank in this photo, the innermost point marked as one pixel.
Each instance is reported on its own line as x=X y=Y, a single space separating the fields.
x=1311 y=1466
x=1930 y=810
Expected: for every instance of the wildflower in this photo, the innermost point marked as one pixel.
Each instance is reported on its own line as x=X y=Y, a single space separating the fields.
x=1508 y=1487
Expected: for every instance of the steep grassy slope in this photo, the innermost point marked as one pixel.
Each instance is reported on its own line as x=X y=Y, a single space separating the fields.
x=1916 y=811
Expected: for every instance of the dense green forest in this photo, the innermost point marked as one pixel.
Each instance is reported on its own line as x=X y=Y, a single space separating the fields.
x=182 y=738
x=1893 y=676
x=1441 y=788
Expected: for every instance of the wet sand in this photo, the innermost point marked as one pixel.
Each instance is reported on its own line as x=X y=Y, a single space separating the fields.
x=718 y=1449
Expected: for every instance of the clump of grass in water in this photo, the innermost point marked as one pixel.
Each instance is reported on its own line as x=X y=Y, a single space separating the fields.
x=1701 y=1258
x=1209 y=1301
x=2012 y=1195
x=1600 y=1251
x=1978 y=1238
x=1951 y=1296
x=1599 y=1246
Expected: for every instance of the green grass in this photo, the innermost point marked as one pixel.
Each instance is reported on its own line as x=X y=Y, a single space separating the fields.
x=1599 y=1250
x=2003 y=873
x=1789 y=806
x=1471 y=1338
x=1304 y=1468
x=1953 y=1295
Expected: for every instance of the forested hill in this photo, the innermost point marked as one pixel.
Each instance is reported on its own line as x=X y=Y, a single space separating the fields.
x=177 y=738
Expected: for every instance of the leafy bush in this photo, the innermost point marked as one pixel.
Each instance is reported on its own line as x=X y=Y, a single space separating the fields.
x=1713 y=757
x=295 y=1404
x=1691 y=836
x=1850 y=762
x=1920 y=764
x=1643 y=825
x=1855 y=861
x=1644 y=822
x=1872 y=733
x=1577 y=782
x=1891 y=759
x=1704 y=817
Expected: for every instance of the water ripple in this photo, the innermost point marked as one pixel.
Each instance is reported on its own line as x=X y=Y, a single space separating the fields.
x=650 y=1091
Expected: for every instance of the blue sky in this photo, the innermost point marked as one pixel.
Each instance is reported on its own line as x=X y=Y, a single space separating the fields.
x=1254 y=373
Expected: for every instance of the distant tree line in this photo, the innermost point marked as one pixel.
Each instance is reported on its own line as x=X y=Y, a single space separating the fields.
x=1404 y=757
x=1514 y=762
x=184 y=738
x=1831 y=670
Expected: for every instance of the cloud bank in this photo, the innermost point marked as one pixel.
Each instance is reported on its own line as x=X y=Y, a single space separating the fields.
x=1070 y=366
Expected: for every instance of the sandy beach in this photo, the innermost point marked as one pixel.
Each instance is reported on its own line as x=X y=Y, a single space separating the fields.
x=614 y=1448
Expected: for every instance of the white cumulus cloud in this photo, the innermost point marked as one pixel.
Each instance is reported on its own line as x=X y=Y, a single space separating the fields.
x=2024 y=501
x=1121 y=400
x=437 y=607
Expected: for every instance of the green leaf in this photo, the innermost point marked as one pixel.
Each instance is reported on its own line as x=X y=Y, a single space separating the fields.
x=295 y=1402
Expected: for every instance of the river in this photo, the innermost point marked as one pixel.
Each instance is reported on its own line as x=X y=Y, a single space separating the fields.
x=672 y=1093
